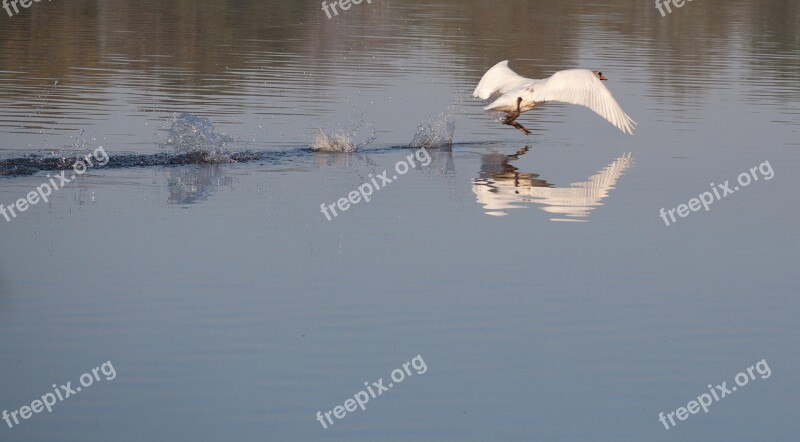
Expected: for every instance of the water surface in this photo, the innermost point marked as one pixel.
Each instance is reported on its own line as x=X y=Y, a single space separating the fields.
x=231 y=308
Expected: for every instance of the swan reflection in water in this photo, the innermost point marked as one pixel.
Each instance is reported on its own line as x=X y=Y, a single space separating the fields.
x=501 y=186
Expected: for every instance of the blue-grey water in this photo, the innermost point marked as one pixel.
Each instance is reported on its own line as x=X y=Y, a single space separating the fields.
x=532 y=275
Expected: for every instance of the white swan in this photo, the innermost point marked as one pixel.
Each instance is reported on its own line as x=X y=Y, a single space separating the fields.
x=514 y=94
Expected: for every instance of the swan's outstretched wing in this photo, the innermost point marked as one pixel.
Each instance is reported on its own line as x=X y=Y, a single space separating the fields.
x=497 y=81
x=574 y=86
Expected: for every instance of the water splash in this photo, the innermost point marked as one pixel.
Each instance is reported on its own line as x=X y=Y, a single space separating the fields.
x=195 y=138
x=335 y=142
x=341 y=140
x=434 y=132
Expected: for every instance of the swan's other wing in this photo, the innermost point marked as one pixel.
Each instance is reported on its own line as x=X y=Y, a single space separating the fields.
x=581 y=86
x=497 y=81
x=574 y=86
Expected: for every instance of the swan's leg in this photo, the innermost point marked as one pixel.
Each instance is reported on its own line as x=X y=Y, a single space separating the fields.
x=520 y=127
x=511 y=118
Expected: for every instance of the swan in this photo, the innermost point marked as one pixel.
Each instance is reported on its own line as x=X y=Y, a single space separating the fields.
x=514 y=94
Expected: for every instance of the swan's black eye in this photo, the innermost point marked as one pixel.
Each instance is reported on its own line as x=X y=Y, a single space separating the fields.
x=599 y=74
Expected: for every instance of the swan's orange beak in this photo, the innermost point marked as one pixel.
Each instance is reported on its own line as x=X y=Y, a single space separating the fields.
x=603 y=78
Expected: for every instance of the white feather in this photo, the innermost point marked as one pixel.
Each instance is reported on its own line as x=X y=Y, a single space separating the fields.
x=574 y=86
x=497 y=81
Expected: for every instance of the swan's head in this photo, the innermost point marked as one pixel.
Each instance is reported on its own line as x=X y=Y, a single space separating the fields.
x=600 y=75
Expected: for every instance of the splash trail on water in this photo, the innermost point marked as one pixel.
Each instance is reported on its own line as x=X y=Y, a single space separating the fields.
x=193 y=140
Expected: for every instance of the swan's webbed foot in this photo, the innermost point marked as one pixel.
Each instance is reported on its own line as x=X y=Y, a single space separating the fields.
x=513 y=122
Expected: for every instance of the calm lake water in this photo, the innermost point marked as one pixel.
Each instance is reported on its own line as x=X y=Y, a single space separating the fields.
x=231 y=308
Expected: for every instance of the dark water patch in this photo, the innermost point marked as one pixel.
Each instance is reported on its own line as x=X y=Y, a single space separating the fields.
x=32 y=164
